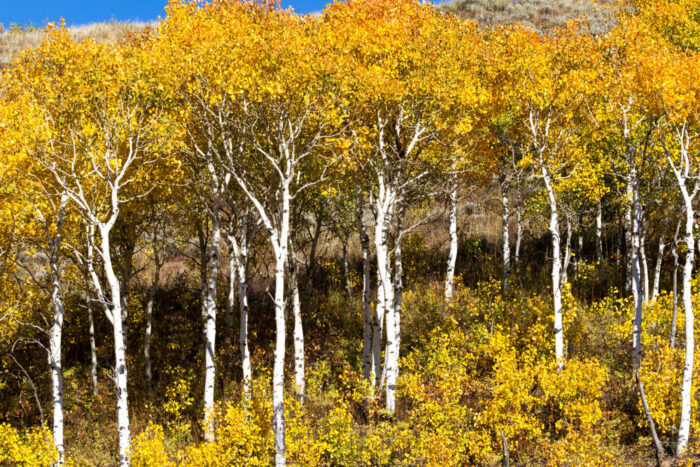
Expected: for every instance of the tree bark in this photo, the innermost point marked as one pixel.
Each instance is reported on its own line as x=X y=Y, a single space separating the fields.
x=556 y=270
x=281 y=245
x=686 y=389
x=56 y=332
x=299 y=377
x=366 y=288
x=505 y=215
x=93 y=351
x=454 y=244
x=599 y=241
x=209 y=309
x=120 y=377
x=657 y=266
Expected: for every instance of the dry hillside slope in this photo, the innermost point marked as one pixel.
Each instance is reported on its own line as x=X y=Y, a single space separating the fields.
x=542 y=15
x=15 y=39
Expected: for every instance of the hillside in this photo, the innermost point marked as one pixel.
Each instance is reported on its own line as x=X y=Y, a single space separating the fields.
x=542 y=15
x=15 y=39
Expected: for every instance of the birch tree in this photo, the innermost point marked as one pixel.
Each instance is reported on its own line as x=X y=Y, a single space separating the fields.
x=103 y=157
x=398 y=112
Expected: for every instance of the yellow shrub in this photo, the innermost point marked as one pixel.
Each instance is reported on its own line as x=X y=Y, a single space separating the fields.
x=33 y=448
x=243 y=438
x=148 y=449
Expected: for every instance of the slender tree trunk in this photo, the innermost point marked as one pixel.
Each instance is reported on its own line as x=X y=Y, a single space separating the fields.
x=93 y=351
x=149 y=315
x=231 y=298
x=556 y=270
x=657 y=266
x=599 y=241
x=686 y=389
x=637 y=291
x=209 y=309
x=505 y=215
x=281 y=244
x=56 y=333
x=384 y=210
x=674 y=253
x=366 y=288
x=629 y=228
x=243 y=335
x=346 y=268
x=299 y=378
x=378 y=333
x=454 y=244
x=650 y=420
x=518 y=238
x=120 y=377
x=392 y=378
x=240 y=254
x=645 y=266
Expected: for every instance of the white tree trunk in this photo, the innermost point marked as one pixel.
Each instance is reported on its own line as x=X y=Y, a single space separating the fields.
x=240 y=253
x=686 y=389
x=556 y=270
x=454 y=244
x=505 y=211
x=147 y=341
x=657 y=267
x=93 y=351
x=346 y=268
x=55 y=335
x=209 y=309
x=281 y=245
x=120 y=377
x=149 y=315
x=637 y=284
x=384 y=211
x=599 y=240
x=299 y=377
x=231 y=298
x=645 y=266
x=366 y=290
x=518 y=238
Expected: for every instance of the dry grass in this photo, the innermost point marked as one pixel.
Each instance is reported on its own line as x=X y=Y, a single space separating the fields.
x=541 y=15
x=14 y=40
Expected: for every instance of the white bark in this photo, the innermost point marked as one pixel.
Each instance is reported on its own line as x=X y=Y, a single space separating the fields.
x=231 y=298
x=346 y=268
x=505 y=234
x=55 y=333
x=281 y=244
x=366 y=306
x=209 y=309
x=599 y=240
x=657 y=266
x=299 y=377
x=385 y=206
x=635 y=211
x=556 y=269
x=682 y=174
x=454 y=244
x=518 y=237
x=120 y=376
x=149 y=313
x=93 y=351
x=645 y=266
x=240 y=254
x=686 y=389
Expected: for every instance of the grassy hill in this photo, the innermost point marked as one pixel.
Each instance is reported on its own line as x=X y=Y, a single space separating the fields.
x=542 y=15
x=15 y=38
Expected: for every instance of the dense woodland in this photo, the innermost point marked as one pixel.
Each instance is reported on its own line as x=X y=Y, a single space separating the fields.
x=379 y=235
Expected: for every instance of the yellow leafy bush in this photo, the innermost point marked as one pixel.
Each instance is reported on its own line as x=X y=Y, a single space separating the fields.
x=33 y=448
x=148 y=449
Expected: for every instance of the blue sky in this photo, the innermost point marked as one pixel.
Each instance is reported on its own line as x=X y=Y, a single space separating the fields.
x=37 y=12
